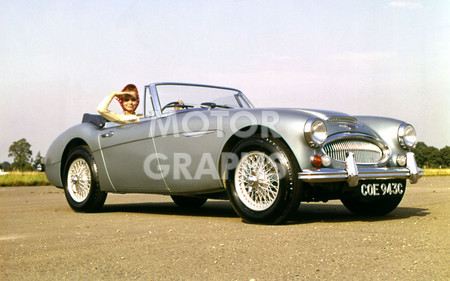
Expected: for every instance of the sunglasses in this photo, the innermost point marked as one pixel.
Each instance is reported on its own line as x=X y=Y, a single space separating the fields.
x=125 y=99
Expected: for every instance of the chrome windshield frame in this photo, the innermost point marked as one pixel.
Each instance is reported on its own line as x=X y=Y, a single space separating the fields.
x=153 y=92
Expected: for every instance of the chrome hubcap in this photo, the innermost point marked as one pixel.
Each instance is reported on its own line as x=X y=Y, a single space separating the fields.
x=79 y=180
x=257 y=181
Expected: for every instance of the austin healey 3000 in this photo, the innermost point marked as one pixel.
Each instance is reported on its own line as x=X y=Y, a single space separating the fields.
x=196 y=142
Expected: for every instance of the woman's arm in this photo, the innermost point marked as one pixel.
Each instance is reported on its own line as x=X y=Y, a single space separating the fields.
x=103 y=106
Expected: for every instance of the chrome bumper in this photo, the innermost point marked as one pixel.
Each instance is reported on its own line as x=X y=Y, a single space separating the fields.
x=352 y=175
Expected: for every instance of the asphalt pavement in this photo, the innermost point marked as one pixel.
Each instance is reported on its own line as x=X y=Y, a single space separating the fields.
x=146 y=237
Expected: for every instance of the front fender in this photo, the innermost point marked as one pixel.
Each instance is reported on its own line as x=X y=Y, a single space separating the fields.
x=386 y=128
x=54 y=160
x=287 y=124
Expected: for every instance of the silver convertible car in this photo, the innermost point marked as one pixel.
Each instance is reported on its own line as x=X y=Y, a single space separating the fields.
x=196 y=142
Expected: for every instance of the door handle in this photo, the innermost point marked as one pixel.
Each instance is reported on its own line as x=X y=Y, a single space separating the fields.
x=107 y=135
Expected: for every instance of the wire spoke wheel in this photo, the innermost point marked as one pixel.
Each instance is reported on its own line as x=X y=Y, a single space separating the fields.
x=81 y=185
x=257 y=181
x=79 y=180
x=262 y=185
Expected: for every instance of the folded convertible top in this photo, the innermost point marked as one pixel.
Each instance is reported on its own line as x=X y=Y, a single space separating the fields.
x=95 y=119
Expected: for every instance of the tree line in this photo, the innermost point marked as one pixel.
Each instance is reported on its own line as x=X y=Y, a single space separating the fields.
x=21 y=152
x=426 y=157
x=431 y=157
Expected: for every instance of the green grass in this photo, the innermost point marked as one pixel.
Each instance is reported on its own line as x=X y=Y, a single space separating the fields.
x=39 y=178
x=436 y=172
x=23 y=179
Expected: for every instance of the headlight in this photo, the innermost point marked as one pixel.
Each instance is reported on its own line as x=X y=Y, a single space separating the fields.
x=407 y=135
x=315 y=132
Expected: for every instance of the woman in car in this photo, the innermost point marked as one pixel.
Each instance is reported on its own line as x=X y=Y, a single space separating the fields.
x=128 y=99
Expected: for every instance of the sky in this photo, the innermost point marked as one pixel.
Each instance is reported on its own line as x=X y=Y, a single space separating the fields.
x=60 y=58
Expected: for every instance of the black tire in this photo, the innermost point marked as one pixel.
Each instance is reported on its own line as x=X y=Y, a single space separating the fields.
x=371 y=206
x=266 y=196
x=80 y=181
x=188 y=202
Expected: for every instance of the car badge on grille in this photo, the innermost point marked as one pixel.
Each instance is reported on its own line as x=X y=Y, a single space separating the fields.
x=350 y=127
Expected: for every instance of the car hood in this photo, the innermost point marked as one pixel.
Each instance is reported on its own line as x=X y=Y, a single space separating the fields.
x=338 y=122
x=324 y=114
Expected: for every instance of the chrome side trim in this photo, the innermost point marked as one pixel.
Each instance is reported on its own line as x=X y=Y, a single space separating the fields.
x=196 y=134
x=352 y=174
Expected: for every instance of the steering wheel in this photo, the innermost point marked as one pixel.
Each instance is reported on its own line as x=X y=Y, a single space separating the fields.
x=176 y=104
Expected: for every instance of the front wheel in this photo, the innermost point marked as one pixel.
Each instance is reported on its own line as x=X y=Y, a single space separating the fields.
x=371 y=206
x=81 y=185
x=263 y=187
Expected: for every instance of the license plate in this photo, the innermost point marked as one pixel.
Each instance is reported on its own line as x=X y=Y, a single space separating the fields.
x=381 y=188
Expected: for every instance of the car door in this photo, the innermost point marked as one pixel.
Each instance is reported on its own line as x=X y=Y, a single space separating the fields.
x=189 y=146
x=130 y=157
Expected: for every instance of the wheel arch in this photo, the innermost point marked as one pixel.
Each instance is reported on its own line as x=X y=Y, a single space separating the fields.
x=248 y=131
x=73 y=144
x=289 y=189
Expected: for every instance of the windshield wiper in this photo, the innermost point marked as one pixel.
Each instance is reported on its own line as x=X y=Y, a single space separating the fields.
x=214 y=105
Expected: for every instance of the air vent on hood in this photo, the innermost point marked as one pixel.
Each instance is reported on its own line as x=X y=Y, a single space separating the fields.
x=341 y=119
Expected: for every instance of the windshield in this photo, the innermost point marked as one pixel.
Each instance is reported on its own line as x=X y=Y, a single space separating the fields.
x=173 y=97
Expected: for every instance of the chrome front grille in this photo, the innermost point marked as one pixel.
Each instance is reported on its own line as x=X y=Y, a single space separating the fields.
x=365 y=152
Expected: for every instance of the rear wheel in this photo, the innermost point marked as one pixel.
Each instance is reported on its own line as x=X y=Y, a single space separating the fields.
x=263 y=187
x=81 y=185
x=187 y=202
